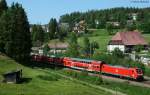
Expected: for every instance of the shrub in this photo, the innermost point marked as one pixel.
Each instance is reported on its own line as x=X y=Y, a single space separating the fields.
x=49 y=78
x=98 y=81
x=118 y=53
x=138 y=48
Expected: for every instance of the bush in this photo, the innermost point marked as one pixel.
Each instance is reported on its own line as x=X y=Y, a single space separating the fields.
x=138 y=48
x=84 y=77
x=98 y=81
x=118 y=53
x=49 y=78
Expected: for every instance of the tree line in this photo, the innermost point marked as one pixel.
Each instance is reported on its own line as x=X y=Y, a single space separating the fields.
x=54 y=30
x=76 y=50
x=15 y=38
x=100 y=18
x=97 y=19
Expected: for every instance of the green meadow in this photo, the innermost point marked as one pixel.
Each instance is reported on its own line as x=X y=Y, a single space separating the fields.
x=38 y=82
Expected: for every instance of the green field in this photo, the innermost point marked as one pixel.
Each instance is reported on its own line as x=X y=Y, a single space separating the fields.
x=116 y=86
x=38 y=82
x=47 y=82
x=102 y=37
x=147 y=37
x=99 y=36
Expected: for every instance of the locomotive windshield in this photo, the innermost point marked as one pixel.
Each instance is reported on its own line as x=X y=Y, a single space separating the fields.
x=139 y=71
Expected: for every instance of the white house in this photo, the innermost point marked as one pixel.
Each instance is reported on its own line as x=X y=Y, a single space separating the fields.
x=126 y=41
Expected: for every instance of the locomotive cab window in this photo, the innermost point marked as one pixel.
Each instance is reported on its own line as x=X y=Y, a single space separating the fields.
x=138 y=71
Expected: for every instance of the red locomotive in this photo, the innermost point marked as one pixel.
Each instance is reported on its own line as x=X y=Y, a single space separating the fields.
x=92 y=65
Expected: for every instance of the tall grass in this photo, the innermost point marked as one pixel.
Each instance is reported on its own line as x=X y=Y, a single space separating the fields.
x=83 y=75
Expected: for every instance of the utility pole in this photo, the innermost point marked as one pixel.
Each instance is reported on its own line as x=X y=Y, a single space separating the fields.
x=91 y=50
x=116 y=91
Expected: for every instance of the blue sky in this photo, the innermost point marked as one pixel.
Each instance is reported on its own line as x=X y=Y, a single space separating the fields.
x=40 y=11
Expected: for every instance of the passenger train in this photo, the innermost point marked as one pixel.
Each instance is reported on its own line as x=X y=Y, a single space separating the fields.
x=92 y=66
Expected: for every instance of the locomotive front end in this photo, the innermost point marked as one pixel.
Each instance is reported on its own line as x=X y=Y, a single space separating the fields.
x=139 y=74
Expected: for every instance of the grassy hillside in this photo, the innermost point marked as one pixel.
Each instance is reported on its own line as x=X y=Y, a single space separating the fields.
x=147 y=37
x=99 y=35
x=38 y=82
x=102 y=37
x=46 y=82
x=124 y=87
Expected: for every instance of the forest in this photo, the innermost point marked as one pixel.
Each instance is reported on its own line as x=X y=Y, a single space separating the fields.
x=99 y=18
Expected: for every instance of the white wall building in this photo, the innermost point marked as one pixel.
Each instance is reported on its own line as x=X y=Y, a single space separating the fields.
x=112 y=47
x=126 y=41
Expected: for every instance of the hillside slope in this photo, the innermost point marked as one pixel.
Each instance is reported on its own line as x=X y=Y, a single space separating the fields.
x=41 y=83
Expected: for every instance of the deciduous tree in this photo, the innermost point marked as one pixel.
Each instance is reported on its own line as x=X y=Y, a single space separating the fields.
x=86 y=46
x=73 y=49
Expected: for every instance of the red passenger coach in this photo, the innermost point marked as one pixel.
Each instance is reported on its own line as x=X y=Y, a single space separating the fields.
x=100 y=66
x=83 y=64
x=67 y=62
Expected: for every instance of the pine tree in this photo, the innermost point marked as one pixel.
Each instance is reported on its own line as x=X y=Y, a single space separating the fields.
x=4 y=29
x=53 y=28
x=109 y=28
x=37 y=35
x=3 y=6
x=15 y=27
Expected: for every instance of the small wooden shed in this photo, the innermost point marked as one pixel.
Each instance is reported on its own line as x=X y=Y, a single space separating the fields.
x=13 y=76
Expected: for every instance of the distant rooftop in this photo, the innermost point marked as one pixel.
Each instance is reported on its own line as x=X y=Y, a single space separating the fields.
x=129 y=38
x=59 y=45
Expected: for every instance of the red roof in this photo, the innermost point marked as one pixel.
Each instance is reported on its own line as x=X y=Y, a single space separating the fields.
x=129 y=38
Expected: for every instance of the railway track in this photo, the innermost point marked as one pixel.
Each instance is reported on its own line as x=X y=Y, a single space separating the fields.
x=144 y=83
